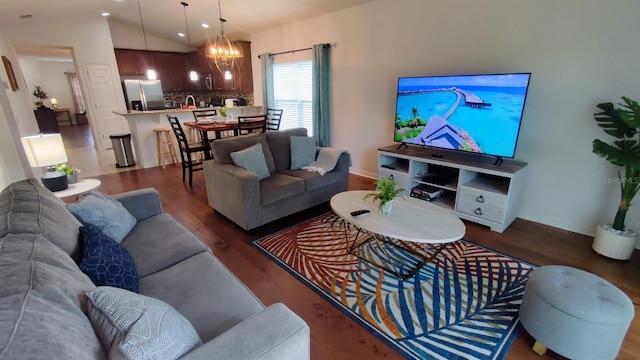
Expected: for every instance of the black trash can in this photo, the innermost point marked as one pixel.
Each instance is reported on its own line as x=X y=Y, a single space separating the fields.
x=122 y=149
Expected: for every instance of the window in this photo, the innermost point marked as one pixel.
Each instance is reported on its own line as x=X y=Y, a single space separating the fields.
x=292 y=93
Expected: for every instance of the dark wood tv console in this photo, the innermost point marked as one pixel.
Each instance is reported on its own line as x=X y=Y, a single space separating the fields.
x=474 y=187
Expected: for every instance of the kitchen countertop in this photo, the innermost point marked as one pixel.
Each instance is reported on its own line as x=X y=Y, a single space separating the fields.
x=174 y=111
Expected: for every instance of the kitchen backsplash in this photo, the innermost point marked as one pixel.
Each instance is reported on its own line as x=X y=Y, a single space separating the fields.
x=203 y=95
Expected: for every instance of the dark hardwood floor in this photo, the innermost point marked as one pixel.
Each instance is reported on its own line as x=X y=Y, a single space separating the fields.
x=76 y=136
x=334 y=335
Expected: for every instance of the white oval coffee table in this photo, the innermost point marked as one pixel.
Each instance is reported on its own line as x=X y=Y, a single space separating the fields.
x=410 y=219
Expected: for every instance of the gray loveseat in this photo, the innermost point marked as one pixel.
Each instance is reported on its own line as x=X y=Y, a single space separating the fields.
x=238 y=194
x=43 y=310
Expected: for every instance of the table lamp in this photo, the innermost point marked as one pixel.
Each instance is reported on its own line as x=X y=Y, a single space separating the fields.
x=54 y=102
x=47 y=150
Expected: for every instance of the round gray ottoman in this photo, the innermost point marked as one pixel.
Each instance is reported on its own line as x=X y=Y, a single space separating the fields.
x=575 y=313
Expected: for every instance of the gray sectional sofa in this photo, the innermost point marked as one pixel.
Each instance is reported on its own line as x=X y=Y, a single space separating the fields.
x=238 y=194
x=43 y=311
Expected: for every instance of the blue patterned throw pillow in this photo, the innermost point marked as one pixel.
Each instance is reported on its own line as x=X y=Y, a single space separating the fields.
x=106 y=262
x=104 y=212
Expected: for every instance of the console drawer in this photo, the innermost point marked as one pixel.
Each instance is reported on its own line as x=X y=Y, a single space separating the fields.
x=483 y=204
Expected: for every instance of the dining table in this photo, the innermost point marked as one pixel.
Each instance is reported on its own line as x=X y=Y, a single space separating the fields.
x=216 y=126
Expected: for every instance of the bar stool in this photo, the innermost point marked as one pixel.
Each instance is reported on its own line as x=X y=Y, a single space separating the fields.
x=162 y=142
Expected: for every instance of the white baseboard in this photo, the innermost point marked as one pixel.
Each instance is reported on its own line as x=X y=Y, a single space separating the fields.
x=367 y=174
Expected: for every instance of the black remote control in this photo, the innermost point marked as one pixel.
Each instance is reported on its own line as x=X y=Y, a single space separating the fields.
x=359 y=213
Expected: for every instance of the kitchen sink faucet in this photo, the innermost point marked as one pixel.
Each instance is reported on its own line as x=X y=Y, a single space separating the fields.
x=186 y=101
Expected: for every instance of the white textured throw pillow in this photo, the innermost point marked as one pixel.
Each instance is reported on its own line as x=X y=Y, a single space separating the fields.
x=134 y=326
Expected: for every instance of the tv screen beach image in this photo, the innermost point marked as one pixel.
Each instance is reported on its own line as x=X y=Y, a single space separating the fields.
x=474 y=113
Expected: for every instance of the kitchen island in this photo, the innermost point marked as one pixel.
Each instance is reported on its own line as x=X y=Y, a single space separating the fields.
x=142 y=123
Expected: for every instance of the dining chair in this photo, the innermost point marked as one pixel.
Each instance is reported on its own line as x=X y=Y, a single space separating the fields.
x=186 y=150
x=204 y=113
x=253 y=123
x=273 y=119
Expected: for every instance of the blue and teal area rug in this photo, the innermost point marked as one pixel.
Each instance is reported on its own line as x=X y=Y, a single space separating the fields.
x=462 y=305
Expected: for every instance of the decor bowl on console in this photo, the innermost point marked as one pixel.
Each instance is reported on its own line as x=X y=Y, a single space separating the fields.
x=623 y=122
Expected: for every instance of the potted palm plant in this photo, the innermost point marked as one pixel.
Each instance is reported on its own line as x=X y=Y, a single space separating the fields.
x=623 y=123
x=40 y=95
x=386 y=193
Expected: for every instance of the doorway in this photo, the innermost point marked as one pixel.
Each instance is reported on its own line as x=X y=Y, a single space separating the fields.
x=49 y=68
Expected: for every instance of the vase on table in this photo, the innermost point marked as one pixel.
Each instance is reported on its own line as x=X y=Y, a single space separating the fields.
x=385 y=207
x=72 y=178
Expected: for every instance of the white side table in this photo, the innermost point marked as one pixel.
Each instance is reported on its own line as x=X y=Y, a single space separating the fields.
x=78 y=189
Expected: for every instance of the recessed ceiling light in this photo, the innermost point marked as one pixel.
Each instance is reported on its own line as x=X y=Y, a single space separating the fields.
x=205 y=25
x=105 y=14
x=181 y=35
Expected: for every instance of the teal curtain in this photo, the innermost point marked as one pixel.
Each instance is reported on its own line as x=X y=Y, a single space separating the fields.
x=321 y=94
x=266 y=66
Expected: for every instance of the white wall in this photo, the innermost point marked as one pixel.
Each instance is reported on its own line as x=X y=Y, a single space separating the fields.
x=90 y=41
x=32 y=73
x=56 y=84
x=580 y=53
x=126 y=37
x=50 y=76
x=13 y=162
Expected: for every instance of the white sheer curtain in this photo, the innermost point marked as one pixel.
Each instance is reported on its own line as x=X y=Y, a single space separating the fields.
x=74 y=85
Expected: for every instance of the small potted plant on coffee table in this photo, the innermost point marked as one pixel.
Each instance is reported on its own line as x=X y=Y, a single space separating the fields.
x=386 y=193
x=623 y=123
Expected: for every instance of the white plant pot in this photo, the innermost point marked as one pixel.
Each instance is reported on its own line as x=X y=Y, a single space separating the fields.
x=386 y=207
x=72 y=178
x=614 y=244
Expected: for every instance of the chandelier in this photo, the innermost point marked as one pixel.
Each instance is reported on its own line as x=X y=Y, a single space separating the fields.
x=224 y=53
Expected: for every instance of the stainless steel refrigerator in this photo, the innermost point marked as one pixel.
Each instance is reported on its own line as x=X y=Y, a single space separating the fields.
x=143 y=95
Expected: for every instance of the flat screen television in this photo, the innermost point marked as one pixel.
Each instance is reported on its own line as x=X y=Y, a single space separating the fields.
x=472 y=113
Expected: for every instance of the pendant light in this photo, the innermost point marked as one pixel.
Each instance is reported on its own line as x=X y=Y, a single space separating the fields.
x=151 y=74
x=193 y=76
x=223 y=53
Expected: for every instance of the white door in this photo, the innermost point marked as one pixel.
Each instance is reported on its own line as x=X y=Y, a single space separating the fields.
x=105 y=103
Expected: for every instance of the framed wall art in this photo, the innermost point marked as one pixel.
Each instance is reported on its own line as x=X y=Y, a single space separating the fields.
x=10 y=73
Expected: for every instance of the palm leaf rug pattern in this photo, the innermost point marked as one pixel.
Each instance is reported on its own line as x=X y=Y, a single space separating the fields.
x=462 y=305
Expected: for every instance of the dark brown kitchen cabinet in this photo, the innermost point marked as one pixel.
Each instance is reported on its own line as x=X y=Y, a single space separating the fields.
x=172 y=69
x=245 y=75
x=128 y=62
x=199 y=62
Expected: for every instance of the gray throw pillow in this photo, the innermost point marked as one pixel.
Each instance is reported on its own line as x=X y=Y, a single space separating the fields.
x=105 y=213
x=303 y=151
x=134 y=326
x=252 y=159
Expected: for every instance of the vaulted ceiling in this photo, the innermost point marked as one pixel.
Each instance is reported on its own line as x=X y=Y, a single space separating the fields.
x=166 y=18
